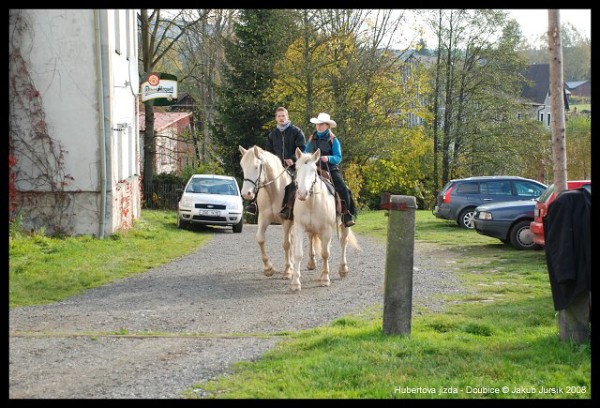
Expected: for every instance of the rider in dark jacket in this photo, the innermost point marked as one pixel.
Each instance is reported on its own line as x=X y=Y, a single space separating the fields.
x=282 y=142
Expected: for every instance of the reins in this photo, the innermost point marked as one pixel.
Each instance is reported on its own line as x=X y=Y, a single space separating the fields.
x=258 y=184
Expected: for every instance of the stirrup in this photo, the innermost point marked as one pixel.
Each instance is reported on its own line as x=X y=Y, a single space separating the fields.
x=286 y=213
x=251 y=209
x=348 y=220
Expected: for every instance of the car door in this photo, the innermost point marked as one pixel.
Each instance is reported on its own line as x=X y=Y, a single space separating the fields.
x=496 y=191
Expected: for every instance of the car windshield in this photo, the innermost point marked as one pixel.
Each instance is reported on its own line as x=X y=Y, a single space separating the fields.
x=211 y=186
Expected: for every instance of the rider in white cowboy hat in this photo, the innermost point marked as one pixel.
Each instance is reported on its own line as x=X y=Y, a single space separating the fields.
x=331 y=157
x=323 y=118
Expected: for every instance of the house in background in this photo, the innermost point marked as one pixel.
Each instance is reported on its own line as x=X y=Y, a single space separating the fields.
x=536 y=93
x=73 y=128
x=172 y=149
x=580 y=88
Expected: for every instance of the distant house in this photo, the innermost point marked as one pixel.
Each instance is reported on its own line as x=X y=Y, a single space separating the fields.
x=185 y=102
x=172 y=150
x=73 y=129
x=536 y=93
x=580 y=88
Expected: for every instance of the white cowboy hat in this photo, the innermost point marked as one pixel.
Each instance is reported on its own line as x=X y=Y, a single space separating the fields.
x=323 y=118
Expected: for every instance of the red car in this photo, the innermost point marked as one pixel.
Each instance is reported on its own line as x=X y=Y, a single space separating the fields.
x=541 y=208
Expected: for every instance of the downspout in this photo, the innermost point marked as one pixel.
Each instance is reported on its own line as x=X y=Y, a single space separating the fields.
x=101 y=123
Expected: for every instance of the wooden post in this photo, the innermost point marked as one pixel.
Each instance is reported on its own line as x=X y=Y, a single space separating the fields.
x=397 y=301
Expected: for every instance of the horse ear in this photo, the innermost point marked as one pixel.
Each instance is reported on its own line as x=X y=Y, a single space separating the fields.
x=242 y=150
x=258 y=152
x=298 y=153
x=317 y=154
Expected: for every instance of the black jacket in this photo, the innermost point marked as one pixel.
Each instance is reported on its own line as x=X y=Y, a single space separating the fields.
x=283 y=144
x=568 y=247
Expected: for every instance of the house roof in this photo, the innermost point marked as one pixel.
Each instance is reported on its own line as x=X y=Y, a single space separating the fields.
x=162 y=120
x=539 y=74
x=575 y=84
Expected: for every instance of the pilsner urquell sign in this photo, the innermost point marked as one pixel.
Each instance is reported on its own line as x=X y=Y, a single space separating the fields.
x=161 y=87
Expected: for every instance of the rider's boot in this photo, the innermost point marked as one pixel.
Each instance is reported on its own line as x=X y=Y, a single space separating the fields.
x=251 y=208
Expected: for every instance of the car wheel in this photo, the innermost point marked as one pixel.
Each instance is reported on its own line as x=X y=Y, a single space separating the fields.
x=521 y=236
x=237 y=228
x=465 y=219
x=181 y=224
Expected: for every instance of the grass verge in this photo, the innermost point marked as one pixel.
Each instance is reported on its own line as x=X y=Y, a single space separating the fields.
x=498 y=342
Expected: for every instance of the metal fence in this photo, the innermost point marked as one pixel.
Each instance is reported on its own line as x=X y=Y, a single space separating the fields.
x=161 y=196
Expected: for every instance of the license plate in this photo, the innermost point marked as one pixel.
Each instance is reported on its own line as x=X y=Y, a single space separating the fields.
x=214 y=213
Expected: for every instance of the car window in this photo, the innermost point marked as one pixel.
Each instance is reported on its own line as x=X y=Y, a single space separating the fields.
x=467 y=188
x=546 y=194
x=447 y=186
x=496 y=188
x=224 y=187
x=198 y=186
x=528 y=189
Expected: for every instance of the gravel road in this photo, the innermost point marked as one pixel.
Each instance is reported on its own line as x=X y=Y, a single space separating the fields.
x=157 y=334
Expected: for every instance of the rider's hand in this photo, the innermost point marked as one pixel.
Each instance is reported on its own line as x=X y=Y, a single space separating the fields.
x=325 y=158
x=289 y=162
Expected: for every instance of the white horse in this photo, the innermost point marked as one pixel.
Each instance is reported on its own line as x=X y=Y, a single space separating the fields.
x=315 y=213
x=264 y=173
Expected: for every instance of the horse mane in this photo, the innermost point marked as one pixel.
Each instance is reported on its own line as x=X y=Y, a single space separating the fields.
x=272 y=160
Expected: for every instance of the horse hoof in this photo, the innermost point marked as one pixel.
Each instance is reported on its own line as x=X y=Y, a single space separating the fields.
x=295 y=288
x=325 y=284
x=343 y=272
x=269 y=272
x=286 y=276
x=311 y=265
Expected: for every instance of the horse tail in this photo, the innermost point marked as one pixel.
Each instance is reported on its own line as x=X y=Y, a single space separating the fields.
x=352 y=241
x=350 y=237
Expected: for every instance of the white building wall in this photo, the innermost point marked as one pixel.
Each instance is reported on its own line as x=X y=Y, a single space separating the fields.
x=59 y=48
x=61 y=55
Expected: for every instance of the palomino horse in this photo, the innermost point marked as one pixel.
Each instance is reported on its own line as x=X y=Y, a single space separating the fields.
x=264 y=172
x=315 y=213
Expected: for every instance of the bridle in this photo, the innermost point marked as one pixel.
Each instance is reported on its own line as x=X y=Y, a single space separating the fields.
x=311 y=191
x=258 y=184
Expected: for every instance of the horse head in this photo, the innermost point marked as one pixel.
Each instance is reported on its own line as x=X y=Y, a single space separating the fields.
x=306 y=172
x=251 y=163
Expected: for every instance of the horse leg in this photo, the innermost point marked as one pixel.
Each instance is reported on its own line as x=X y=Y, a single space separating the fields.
x=297 y=235
x=343 y=271
x=325 y=251
x=260 y=238
x=287 y=250
x=312 y=262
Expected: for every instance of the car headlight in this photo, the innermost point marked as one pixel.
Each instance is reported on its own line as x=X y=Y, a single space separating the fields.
x=187 y=202
x=484 y=215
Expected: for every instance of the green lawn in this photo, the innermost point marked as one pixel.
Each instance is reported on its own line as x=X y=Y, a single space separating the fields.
x=499 y=341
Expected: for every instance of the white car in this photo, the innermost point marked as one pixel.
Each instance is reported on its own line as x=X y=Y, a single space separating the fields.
x=211 y=199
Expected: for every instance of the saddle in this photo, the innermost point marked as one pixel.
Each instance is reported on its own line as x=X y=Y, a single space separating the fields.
x=340 y=206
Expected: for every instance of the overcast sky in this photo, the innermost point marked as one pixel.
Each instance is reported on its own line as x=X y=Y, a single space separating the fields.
x=534 y=22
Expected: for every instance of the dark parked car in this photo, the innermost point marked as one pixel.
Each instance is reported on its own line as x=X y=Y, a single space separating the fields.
x=508 y=221
x=459 y=198
x=541 y=208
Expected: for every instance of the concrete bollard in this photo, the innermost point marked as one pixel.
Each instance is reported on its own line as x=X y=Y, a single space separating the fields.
x=397 y=300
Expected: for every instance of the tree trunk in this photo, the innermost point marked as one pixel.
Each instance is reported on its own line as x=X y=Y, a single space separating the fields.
x=557 y=102
x=149 y=143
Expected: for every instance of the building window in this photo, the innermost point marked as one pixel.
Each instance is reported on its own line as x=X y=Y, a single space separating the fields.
x=128 y=35
x=117 y=18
